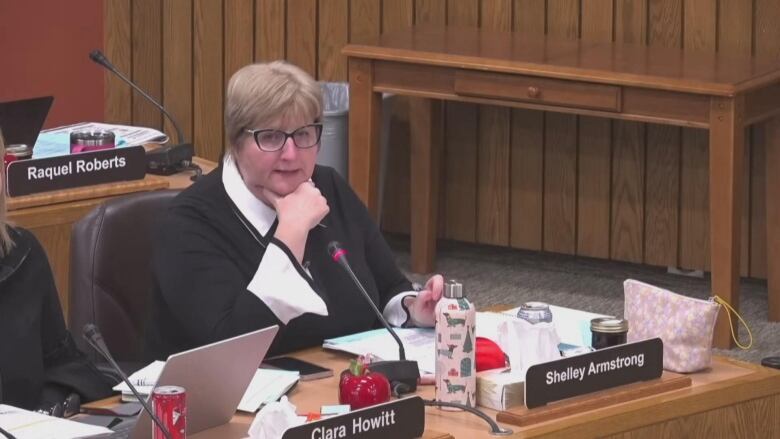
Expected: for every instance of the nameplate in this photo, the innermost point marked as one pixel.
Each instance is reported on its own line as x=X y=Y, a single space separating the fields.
x=399 y=419
x=594 y=371
x=74 y=170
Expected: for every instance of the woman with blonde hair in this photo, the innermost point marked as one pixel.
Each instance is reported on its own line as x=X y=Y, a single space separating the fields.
x=40 y=366
x=245 y=247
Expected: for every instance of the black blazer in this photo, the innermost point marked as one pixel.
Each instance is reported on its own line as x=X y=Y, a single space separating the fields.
x=39 y=363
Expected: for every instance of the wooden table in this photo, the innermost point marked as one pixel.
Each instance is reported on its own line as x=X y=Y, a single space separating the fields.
x=50 y=215
x=732 y=400
x=649 y=84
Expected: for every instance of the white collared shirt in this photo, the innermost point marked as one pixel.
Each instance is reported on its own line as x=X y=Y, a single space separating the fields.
x=277 y=276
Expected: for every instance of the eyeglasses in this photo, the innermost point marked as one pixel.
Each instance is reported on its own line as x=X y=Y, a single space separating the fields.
x=273 y=140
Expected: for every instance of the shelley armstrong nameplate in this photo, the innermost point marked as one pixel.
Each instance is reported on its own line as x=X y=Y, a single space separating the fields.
x=594 y=371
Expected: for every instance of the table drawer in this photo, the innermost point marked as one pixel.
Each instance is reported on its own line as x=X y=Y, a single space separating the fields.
x=538 y=90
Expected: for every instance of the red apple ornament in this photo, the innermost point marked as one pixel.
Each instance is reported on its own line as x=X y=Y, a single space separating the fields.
x=359 y=387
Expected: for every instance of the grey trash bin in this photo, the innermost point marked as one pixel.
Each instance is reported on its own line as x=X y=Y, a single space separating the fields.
x=334 y=144
x=334 y=147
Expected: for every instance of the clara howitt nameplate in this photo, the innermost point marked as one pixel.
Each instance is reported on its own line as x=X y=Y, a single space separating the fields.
x=399 y=419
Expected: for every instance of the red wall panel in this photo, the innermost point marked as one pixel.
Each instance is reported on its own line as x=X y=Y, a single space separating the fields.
x=43 y=51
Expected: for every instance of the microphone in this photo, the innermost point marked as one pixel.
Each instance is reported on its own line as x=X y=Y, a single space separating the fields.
x=167 y=159
x=92 y=335
x=403 y=373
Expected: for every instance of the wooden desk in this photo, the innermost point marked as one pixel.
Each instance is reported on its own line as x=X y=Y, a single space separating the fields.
x=50 y=215
x=732 y=400
x=648 y=84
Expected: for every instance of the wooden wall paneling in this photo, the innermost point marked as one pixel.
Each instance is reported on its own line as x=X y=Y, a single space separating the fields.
x=631 y=21
x=560 y=156
x=208 y=79
x=494 y=146
x=430 y=12
x=147 y=61
x=757 y=237
x=662 y=196
x=333 y=35
x=597 y=20
x=527 y=154
x=694 y=245
x=628 y=153
x=459 y=213
x=594 y=152
x=239 y=43
x=365 y=19
x=628 y=170
x=767 y=43
x=560 y=183
x=396 y=212
x=735 y=36
x=434 y=12
x=530 y=17
x=302 y=34
x=118 y=49
x=699 y=34
x=177 y=65
x=270 y=30
x=527 y=179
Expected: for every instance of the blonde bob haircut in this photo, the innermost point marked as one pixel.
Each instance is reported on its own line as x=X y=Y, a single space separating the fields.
x=259 y=94
x=5 y=238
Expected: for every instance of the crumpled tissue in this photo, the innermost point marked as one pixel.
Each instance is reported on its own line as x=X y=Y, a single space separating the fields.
x=274 y=419
x=527 y=344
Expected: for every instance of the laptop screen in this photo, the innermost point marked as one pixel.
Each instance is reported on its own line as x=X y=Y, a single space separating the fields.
x=21 y=121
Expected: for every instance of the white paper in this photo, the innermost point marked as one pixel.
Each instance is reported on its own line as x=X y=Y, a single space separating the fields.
x=268 y=385
x=25 y=424
x=132 y=135
x=572 y=326
x=418 y=345
x=143 y=379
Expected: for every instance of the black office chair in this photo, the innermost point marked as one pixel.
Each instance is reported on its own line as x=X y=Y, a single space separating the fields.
x=110 y=272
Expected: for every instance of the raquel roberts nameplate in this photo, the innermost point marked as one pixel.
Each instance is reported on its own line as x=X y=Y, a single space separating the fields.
x=594 y=371
x=73 y=170
x=399 y=419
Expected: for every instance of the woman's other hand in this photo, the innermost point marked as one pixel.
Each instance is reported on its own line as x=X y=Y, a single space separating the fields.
x=422 y=308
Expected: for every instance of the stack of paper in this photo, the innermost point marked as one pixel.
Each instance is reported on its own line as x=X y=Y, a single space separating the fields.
x=418 y=345
x=266 y=386
x=498 y=390
x=56 y=141
x=24 y=424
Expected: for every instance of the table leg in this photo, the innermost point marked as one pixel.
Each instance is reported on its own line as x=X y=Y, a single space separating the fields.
x=772 y=137
x=727 y=143
x=365 y=112
x=426 y=126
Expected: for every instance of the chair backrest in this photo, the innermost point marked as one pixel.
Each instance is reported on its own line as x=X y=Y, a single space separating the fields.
x=110 y=271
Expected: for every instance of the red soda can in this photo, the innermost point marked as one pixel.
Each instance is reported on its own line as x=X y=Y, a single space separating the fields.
x=169 y=404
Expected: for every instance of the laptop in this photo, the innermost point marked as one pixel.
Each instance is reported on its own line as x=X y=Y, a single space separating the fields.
x=21 y=121
x=215 y=377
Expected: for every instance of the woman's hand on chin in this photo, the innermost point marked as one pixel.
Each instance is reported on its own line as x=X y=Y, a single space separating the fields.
x=302 y=209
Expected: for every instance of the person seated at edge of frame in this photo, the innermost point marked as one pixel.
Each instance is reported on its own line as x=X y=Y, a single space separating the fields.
x=245 y=247
x=40 y=366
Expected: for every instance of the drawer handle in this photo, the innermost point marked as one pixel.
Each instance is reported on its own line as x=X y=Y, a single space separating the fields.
x=533 y=92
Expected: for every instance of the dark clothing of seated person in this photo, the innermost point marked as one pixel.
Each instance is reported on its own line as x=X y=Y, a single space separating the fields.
x=39 y=363
x=245 y=247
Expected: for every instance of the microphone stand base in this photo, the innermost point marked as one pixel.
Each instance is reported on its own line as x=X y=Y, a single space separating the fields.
x=399 y=372
x=169 y=159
